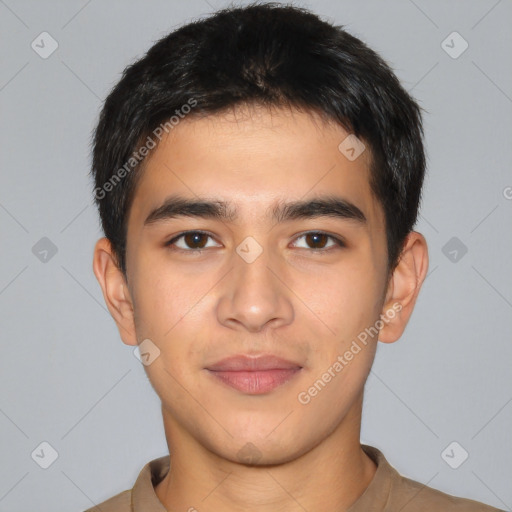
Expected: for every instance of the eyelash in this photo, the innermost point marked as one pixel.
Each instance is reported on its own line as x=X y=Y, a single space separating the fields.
x=336 y=240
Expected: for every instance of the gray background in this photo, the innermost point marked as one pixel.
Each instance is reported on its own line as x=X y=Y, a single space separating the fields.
x=65 y=376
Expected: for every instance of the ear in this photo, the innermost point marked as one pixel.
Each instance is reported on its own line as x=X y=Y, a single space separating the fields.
x=404 y=287
x=115 y=290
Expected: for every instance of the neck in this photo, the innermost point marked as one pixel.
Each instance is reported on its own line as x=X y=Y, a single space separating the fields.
x=329 y=477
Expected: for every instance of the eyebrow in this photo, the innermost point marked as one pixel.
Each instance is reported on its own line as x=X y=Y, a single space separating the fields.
x=324 y=206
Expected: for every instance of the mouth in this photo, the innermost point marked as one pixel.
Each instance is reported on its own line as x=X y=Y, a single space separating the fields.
x=254 y=375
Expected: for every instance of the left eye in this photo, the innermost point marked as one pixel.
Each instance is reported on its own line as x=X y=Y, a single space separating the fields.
x=319 y=238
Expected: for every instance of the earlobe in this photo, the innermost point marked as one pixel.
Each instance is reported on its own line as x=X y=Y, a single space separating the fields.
x=115 y=290
x=404 y=287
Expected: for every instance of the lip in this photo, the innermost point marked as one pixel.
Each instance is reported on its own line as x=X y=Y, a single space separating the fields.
x=254 y=375
x=247 y=363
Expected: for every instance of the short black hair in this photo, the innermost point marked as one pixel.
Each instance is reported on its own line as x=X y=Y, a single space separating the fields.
x=267 y=54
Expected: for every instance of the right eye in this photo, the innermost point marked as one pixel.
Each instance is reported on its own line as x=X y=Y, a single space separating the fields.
x=194 y=241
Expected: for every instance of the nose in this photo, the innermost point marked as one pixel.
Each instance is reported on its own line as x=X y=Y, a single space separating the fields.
x=255 y=296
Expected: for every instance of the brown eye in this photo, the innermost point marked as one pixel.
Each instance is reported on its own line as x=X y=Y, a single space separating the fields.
x=195 y=240
x=317 y=240
x=190 y=241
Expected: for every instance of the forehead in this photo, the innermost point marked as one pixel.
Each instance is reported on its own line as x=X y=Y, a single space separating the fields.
x=254 y=159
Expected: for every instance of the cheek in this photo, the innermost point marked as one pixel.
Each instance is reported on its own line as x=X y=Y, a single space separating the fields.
x=160 y=301
x=170 y=305
x=344 y=301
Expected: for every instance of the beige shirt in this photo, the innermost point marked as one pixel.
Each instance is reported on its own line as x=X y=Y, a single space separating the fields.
x=388 y=492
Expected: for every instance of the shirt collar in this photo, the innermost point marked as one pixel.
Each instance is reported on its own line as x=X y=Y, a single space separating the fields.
x=375 y=497
x=144 y=498
x=377 y=494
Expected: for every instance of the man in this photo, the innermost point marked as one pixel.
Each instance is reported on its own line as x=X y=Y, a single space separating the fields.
x=258 y=174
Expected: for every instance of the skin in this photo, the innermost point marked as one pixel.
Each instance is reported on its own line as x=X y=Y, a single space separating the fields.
x=292 y=301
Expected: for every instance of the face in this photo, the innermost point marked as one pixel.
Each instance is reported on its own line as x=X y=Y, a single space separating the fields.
x=256 y=279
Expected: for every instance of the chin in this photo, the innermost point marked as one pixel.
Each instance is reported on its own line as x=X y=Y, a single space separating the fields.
x=262 y=451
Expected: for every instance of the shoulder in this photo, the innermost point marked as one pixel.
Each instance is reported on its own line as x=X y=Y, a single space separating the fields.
x=412 y=496
x=416 y=497
x=119 y=503
x=142 y=495
x=391 y=491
